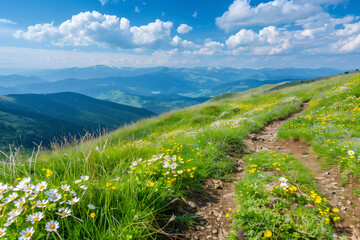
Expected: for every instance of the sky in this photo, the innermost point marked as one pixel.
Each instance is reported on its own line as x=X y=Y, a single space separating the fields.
x=186 y=33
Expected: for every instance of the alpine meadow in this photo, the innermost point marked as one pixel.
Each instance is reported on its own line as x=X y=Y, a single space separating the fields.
x=192 y=120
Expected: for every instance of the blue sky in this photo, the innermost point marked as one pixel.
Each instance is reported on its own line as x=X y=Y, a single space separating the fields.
x=236 y=33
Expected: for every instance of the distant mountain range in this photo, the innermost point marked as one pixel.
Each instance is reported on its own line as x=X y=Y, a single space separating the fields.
x=26 y=119
x=157 y=89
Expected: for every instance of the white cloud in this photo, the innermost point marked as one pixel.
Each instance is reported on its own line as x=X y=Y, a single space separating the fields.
x=241 y=14
x=137 y=9
x=184 y=28
x=151 y=33
x=194 y=14
x=6 y=21
x=93 y=28
x=349 y=29
x=178 y=42
x=348 y=45
x=243 y=37
x=210 y=48
x=268 y=41
x=103 y=2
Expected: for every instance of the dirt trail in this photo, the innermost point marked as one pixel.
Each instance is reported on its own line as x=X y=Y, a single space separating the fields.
x=212 y=206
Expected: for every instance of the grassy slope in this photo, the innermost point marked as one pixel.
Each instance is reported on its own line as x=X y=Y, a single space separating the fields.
x=28 y=118
x=138 y=172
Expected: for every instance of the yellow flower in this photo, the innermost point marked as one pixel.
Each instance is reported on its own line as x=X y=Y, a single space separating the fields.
x=227 y=215
x=92 y=215
x=150 y=184
x=267 y=234
x=335 y=210
x=113 y=187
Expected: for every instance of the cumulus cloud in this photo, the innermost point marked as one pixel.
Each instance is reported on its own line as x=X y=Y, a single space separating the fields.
x=184 y=28
x=241 y=14
x=268 y=41
x=179 y=43
x=6 y=21
x=93 y=28
x=210 y=48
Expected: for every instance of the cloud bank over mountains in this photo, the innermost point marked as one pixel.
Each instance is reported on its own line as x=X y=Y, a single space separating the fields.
x=275 y=28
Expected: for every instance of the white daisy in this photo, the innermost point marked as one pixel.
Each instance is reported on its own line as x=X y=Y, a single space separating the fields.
x=14 y=213
x=83 y=187
x=51 y=192
x=90 y=206
x=52 y=226
x=2 y=232
x=42 y=203
x=20 y=202
x=41 y=186
x=9 y=221
x=3 y=187
x=11 y=197
x=84 y=178
x=284 y=185
x=25 y=181
x=65 y=187
x=73 y=201
x=26 y=234
x=77 y=181
x=283 y=180
x=35 y=217
x=32 y=197
x=73 y=192
x=55 y=197
x=351 y=152
x=28 y=188
x=64 y=212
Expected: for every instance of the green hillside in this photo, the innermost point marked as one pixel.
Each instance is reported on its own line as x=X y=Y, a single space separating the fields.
x=30 y=119
x=139 y=179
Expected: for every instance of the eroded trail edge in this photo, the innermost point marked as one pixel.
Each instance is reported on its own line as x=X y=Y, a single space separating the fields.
x=212 y=206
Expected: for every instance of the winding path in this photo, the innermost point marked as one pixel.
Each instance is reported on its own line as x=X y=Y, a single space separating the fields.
x=212 y=206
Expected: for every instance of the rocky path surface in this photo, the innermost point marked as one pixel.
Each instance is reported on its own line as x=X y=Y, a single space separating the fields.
x=212 y=207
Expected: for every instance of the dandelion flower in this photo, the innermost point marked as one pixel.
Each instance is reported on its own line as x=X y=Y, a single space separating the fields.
x=267 y=234
x=64 y=212
x=92 y=215
x=26 y=234
x=335 y=210
x=42 y=203
x=2 y=232
x=52 y=226
x=35 y=217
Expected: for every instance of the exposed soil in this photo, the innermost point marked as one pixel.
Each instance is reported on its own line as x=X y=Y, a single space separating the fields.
x=213 y=205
